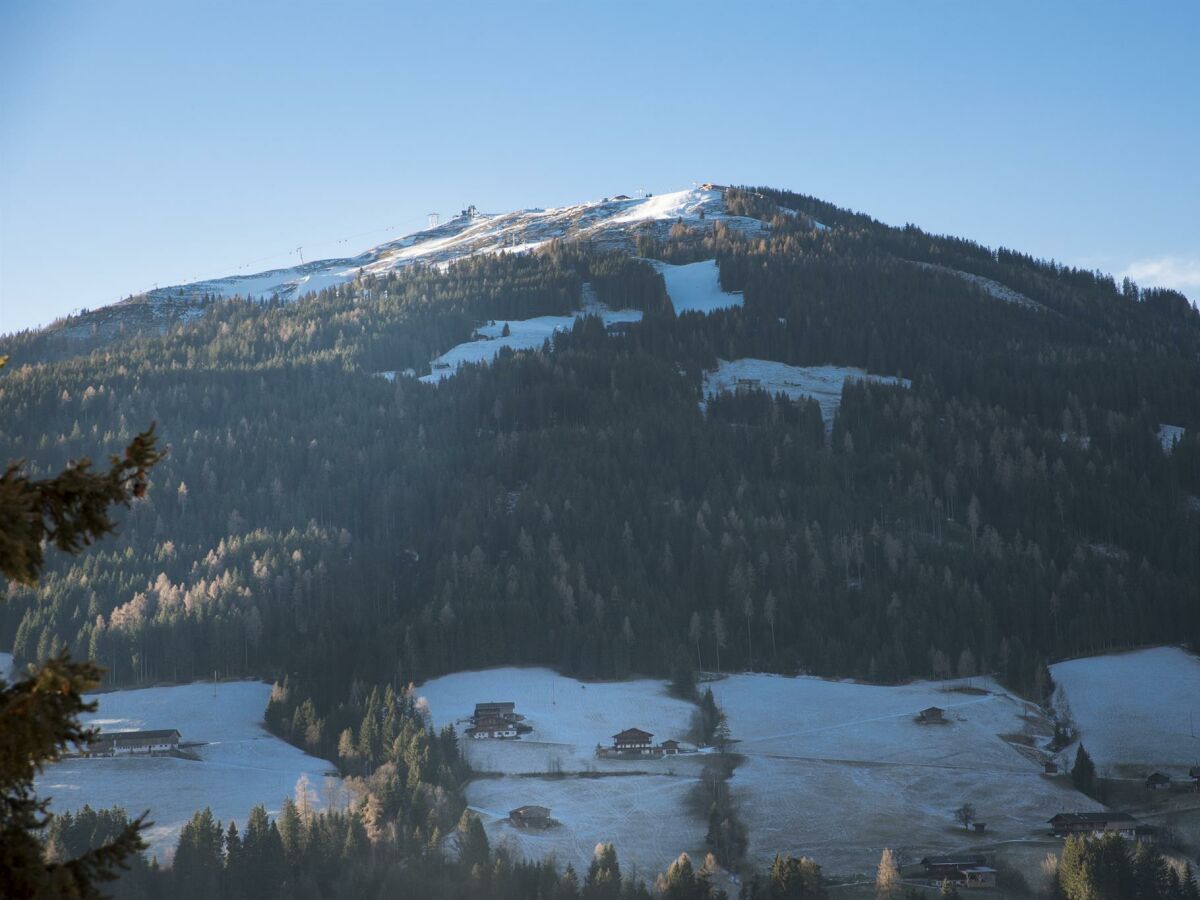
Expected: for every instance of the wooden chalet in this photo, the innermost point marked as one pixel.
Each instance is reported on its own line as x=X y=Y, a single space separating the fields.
x=127 y=743
x=632 y=740
x=1156 y=781
x=1095 y=823
x=964 y=870
x=530 y=817
x=669 y=747
x=933 y=715
x=1051 y=768
x=496 y=710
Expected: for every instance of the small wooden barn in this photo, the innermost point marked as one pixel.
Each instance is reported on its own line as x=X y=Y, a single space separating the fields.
x=1157 y=781
x=530 y=817
x=933 y=715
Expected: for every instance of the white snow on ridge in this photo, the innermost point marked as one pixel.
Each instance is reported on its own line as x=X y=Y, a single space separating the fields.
x=989 y=286
x=240 y=763
x=606 y=223
x=1136 y=712
x=695 y=287
x=1170 y=435
x=821 y=383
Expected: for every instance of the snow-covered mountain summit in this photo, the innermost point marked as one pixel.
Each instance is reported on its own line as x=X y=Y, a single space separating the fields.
x=611 y=223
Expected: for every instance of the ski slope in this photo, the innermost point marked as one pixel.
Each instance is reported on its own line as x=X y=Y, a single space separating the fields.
x=821 y=383
x=1136 y=712
x=240 y=763
x=695 y=287
x=524 y=334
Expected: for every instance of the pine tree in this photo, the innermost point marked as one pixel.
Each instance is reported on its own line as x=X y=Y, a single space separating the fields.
x=39 y=715
x=1083 y=773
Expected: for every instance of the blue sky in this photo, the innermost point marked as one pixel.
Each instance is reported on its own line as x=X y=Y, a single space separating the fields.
x=145 y=143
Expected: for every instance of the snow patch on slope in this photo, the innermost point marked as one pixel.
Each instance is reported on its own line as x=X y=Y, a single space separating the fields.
x=1138 y=711
x=695 y=287
x=987 y=285
x=822 y=383
x=1170 y=435
x=524 y=334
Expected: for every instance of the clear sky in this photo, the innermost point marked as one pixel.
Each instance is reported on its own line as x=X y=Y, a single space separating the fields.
x=154 y=142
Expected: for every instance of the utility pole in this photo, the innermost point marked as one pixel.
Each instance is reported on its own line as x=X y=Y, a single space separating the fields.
x=434 y=220
x=300 y=250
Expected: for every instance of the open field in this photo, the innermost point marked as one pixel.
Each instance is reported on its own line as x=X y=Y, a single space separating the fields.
x=838 y=770
x=1136 y=712
x=240 y=763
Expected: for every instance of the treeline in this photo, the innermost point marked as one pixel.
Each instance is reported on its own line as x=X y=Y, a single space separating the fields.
x=304 y=853
x=1109 y=868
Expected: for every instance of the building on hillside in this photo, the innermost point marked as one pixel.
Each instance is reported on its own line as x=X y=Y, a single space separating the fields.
x=506 y=710
x=530 y=817
x=128 y=743
x=1051 y=768
x=492 y=727
x=1094 y=823
x=632 y=740
x=669 y=747
x=495 y=719
x=1157 y=781
x=964 y=870
x=1194 y=774
x=933 y=715
x=622 y=197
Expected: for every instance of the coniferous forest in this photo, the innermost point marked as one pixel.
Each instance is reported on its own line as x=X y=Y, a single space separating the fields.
x=344 y=535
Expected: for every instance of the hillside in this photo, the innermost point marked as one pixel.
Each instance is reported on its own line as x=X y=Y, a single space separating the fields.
x=930 y=476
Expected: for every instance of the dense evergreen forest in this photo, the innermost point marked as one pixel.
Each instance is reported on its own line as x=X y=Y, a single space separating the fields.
x=576 y=507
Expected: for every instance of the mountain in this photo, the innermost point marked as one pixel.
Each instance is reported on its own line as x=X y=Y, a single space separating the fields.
x=612 y=223
x=734 y=423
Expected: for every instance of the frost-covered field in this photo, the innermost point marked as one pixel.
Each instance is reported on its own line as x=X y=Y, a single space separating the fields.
x=822 y=383
x=695 y=287
x=643 y=813
x=832 y=769
x=569 y=718
x=838 y=770
x=241 y=764
x=1136 y=711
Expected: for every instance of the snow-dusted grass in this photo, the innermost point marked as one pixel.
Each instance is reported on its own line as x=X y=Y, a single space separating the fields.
x=569 y=718
x=241 y=764
x=1170 y=435
x=838 y=770
x=822 y=383
x=524 y=334
x=1136 y=712
x=643 y=813
x=833 y=769
x=695 y=287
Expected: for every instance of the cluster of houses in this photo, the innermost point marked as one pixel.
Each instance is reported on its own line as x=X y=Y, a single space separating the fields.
x=133 y=743
x=496 y=719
